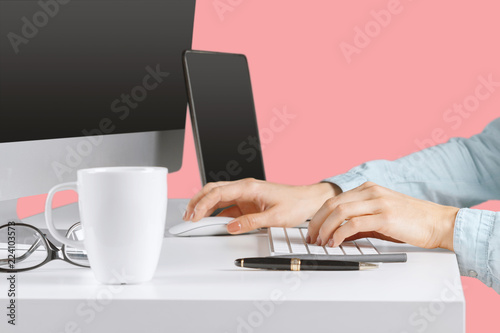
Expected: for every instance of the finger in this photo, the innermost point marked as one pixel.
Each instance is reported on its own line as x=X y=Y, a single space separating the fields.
x=219 y=205
x=357 y=194
x=343 y=212
x=197 y=197
x=359 y=235
x=234 y=211
x=249 y=222
x=228 y=194
x=356 y=225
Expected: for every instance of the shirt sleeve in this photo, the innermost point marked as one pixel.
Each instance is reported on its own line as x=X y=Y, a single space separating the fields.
x=461 y=173
x=476 y=241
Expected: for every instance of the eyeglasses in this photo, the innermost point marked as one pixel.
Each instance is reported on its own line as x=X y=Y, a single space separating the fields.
x=24 y=247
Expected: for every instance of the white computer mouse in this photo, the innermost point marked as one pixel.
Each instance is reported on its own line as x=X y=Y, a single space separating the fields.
x=207 y=226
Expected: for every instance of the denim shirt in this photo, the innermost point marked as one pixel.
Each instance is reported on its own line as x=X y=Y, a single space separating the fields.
x=460 y=173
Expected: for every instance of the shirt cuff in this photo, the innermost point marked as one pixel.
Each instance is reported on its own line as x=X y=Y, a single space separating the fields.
x=347 y=181
x=473 y=228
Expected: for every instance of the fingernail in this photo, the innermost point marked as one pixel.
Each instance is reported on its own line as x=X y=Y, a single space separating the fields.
x=318 y=241
x=308 y=239
x=330 y=243
x=234 y=226
x=184 y=215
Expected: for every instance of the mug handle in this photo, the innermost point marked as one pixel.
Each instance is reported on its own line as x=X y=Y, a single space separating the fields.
x=48 y=215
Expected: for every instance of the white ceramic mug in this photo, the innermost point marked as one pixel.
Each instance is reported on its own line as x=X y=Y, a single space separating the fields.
x=122 y=212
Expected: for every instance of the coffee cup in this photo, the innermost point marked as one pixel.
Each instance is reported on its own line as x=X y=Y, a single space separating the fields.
x=122 y=212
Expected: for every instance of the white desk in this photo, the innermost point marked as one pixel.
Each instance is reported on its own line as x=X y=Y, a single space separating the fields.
x=197 y=288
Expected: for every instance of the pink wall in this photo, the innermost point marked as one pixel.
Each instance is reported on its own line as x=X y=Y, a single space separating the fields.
x=390 y=91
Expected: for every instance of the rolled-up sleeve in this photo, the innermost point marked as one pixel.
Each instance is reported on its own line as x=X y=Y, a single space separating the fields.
x=461 y=173
x=476 y=242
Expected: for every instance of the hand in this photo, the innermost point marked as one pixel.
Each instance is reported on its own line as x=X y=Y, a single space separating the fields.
x=374 y=211
x=259 y=204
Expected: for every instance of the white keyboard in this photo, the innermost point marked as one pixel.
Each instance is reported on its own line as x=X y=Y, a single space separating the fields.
x=291 y=241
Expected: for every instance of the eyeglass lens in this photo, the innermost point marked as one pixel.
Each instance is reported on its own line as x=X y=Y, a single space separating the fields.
x=21 y=247
x=75 y=255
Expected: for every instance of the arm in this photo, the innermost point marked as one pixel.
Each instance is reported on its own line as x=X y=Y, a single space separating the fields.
x=375 y=211
x=461 y=172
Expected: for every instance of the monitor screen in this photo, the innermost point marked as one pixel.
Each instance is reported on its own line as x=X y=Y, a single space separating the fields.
x=223 y=113
x=76 y=68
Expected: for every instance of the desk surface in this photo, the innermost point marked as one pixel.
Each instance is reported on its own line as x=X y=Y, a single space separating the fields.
x=197 y=287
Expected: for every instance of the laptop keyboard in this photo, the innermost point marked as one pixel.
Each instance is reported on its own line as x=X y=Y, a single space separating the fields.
x=292 y=241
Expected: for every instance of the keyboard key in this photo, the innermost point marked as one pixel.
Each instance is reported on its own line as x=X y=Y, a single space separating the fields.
x=334 y=250
x=350 y=248
x=316 y=249
x=280 y=243
x=366 y=246
x=296 y=241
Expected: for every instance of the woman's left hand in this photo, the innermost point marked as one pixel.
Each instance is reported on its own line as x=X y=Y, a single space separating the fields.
x=375 y=211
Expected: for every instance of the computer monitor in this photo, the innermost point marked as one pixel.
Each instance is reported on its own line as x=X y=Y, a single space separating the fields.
x=89 y=84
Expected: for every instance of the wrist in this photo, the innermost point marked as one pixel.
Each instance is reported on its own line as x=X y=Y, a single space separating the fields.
x=321 y=192
x=448 y=227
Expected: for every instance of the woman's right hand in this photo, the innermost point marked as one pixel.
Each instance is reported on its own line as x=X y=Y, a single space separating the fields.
x=257 y=204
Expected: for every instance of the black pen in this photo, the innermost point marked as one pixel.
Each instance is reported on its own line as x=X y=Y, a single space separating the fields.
x=297 y=264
